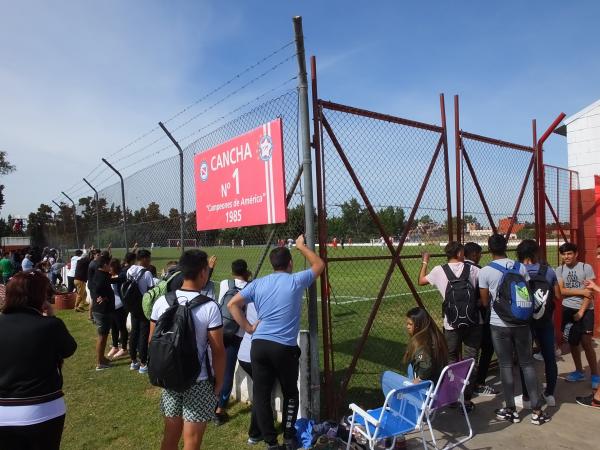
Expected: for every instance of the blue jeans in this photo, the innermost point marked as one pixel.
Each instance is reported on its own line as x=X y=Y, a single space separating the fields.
x=232 y=346
x=545 y=337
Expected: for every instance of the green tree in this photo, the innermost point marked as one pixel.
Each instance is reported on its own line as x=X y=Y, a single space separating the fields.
x=5 y=168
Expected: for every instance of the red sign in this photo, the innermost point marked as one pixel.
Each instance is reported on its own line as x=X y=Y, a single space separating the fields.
x=242 y=182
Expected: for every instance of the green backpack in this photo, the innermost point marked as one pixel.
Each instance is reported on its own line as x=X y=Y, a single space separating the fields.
x=155 y=293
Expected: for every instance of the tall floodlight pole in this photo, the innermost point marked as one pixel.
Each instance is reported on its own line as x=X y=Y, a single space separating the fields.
x=181 y=190
x=122 y=201
x=97 y=212
x=309 y=220
x=74 y=218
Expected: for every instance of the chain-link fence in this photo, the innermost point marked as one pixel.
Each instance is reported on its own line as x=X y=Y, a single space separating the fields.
x=562 y=209
x=383 y=201
x=496 y=189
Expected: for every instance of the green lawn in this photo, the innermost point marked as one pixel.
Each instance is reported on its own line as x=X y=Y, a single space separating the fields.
x=119 y=409
x=354 y=287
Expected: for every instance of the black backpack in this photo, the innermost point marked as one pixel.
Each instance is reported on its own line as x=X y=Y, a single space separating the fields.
x=172 y=352
x=230 y=326
x=538 y=281
x=131 y=295
x=460 y=300
x=513 y=302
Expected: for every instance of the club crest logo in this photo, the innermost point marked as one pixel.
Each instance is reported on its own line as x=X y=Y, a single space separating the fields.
x=203 y=171
x=265 y=148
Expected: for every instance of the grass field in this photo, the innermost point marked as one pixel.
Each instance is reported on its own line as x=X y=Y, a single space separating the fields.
x=119 y=409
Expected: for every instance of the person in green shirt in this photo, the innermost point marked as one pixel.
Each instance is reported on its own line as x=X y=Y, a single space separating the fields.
x=6 y=268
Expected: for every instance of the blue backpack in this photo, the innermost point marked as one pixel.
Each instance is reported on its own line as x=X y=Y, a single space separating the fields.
x=513 y=302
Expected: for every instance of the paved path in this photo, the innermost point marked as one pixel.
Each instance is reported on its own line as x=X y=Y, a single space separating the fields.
x=572 y=426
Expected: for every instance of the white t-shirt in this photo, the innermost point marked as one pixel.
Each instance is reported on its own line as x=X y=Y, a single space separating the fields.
x=244 y=351
x=437 y=277
x=146 y=282
x=71 y=271
x=489 y=278
x=19 y=416
x=207 y=317
x=224 y=287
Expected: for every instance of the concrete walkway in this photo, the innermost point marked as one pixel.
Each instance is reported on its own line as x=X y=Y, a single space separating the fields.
x=572 y=426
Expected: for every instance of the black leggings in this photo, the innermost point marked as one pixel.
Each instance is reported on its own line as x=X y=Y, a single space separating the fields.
x=118 y=328
x=41 y=436
x=272 y=361
x=138 y=338
x=254 y=431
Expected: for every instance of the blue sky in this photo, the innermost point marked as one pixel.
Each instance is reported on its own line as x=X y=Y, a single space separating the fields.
x=80 y=79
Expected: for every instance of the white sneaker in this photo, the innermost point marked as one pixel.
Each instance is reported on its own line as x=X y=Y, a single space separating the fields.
x=525 y=404
x=550 y=400
x=120 y=354
x=538 y=356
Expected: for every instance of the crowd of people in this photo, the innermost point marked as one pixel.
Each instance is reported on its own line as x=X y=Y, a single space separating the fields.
x=502 y=308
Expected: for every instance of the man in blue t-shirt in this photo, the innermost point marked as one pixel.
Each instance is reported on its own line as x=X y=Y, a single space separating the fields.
x=275 y=353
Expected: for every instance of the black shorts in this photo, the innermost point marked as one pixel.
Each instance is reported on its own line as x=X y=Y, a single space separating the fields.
x=585 y=325
x=102 y=322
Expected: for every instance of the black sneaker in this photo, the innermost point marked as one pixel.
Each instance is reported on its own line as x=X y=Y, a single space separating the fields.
x=469 y=406
x=508 y=415
x=588 y=401
x=539 y=418
x=221 y=418
x=275 y=447
x=291 y=444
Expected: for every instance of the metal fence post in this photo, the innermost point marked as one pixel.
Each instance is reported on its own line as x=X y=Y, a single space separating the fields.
x=309 y=219
x=74 y=218
x=122 y=200
x=542 y=184
x=97 y=212
x=181 y=190
x=457 y=146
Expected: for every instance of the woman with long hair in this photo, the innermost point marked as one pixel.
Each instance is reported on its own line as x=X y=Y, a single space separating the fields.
x=34 y=345
x=427 y=352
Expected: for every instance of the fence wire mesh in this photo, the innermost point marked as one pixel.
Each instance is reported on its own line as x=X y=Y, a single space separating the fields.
x=153 y=202
x=562 y=209
x=500 y=172
x=391 y=161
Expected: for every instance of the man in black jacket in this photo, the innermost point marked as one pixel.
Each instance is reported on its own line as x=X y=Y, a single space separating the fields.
x=103 y=306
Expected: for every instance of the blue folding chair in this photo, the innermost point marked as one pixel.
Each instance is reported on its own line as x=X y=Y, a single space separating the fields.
x=402 y=412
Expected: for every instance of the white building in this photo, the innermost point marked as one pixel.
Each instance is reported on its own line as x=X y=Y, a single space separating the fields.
x=583 y=139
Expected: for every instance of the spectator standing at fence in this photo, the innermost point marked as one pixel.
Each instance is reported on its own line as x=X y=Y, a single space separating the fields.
x=473 y=256
x=542 y=327
x=509 y=338
x=71 y=271
x=254 y=435
x=91 y=276
x=189 y=411
x=56 y=272
x=456 y=281
x=592 y=400
x=578 y=311
x=27 y=263
x=232 y=332
x=34 y=346
x=140 y=326
x=118 y=329
x=275 y=353
x=103 y=306
x=81 y=279
x=6 y=268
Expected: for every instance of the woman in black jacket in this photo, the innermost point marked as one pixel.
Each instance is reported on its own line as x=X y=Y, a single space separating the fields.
x=34 y=345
